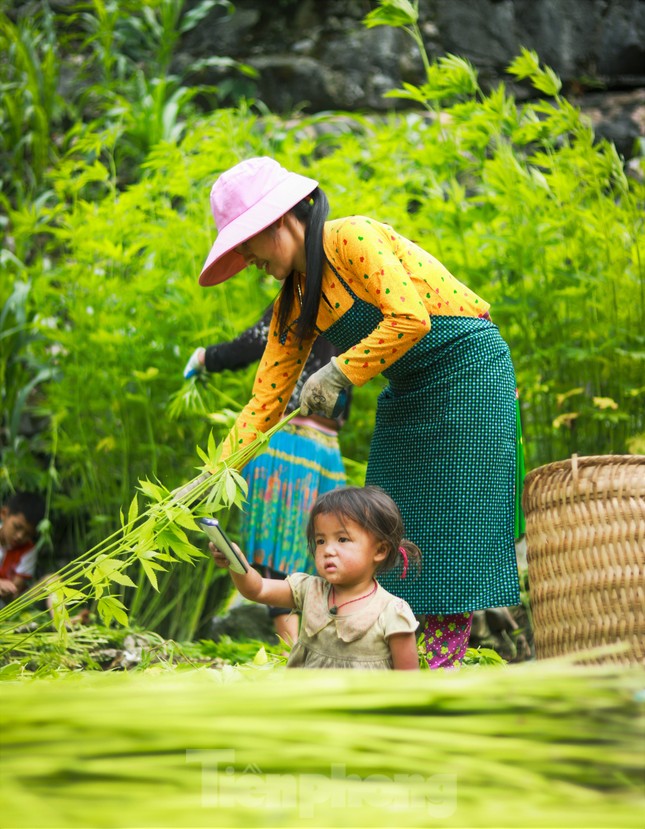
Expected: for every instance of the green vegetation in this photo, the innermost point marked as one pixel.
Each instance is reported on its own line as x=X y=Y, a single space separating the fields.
x=106 y=161
x=104 y=189
x=529 y=746
x=88 y=646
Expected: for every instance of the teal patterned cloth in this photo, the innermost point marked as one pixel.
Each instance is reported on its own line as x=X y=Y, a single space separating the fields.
x=300 y=464
x=444 y=448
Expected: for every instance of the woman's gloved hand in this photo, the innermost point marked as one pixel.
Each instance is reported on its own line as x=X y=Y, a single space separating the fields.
x=322 y=390
x=195 y=364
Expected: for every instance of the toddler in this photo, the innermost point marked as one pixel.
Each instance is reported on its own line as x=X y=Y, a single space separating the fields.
x=348 y=619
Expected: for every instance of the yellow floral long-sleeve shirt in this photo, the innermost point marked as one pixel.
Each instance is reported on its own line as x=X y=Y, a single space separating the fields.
x=406 y=283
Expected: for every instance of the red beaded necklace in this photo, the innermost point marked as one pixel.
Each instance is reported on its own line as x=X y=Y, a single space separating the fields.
x=335 y=608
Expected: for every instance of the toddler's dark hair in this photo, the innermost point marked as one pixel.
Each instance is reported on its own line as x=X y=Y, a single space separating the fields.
x=30 y=504
x=373 y=510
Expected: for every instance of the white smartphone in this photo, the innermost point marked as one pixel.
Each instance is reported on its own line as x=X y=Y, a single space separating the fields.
x=219 y=538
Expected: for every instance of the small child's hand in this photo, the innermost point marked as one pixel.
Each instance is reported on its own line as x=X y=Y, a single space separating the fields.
x=219 y=557
x=8 y=588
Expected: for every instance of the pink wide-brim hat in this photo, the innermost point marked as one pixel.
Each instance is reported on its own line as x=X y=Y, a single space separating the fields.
x=246 y=199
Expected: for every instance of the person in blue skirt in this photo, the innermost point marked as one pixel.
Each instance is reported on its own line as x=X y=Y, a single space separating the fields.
x=301 y=462
x=445 y=441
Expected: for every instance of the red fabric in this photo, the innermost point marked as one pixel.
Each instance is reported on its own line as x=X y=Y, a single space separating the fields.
x=12 y=559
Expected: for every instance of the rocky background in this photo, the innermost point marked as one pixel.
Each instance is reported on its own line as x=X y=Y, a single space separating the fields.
x=316 y=55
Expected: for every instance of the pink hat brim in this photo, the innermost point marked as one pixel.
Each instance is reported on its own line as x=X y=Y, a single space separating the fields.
x=223 y=262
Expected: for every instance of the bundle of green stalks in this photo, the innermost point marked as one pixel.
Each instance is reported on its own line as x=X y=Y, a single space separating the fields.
x=547 y=744
x=148 y=543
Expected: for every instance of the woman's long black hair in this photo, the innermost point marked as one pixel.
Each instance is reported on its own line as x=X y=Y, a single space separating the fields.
x=313 y=212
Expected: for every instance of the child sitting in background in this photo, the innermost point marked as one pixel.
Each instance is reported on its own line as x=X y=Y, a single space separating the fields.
x=20 y=517
x=348 y=619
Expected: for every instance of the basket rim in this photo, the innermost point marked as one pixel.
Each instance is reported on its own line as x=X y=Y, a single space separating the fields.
x=582 y=461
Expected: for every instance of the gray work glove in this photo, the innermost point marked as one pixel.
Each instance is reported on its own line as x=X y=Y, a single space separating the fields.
x=323 y=391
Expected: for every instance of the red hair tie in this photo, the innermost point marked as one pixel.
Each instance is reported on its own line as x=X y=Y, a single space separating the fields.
x=405 y=562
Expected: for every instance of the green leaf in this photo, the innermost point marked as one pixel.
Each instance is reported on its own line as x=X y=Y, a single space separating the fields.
x=143 y=536
x=186 y=551
x=154 y=492
x=146 y=554
x=230 y=488
x=261 y=657
x=409 y=93
x=527 y=65
x=133 y=512
x=195 y=15
x=186 y=520
x=459 y=73
x=122 y=578
x=212 y=446
x=110 y=569
x=395 y=13
x=240 y=482
x=174 y=538
x=71 y=595
x=149 y=568
x=109 y=607
x=11 y=671
x=547 y=81
x=151 y=373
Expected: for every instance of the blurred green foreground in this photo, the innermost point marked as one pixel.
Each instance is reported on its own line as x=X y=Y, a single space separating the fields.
x=535 y=745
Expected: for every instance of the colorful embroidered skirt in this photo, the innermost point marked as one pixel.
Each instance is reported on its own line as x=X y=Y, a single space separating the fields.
x=284 y=481
x=520 y=472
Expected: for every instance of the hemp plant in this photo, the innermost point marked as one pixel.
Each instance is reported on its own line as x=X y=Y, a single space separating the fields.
x=527 y=205
x=155 y=539
x=445 y=78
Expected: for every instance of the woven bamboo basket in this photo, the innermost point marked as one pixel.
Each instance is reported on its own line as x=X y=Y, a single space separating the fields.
x=585 y=534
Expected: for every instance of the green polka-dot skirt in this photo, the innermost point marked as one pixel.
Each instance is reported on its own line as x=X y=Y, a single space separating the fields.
x=444 y=448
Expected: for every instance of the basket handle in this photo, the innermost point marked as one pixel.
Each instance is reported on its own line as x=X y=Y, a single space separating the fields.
x=574 y=470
